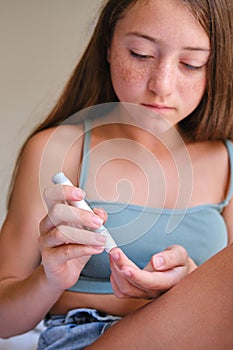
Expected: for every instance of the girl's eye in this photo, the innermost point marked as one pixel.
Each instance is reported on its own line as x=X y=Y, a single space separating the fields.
x=139 y=56
x=191 y=67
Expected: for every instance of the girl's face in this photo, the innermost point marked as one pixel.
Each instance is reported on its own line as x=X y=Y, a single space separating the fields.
x=158 y=58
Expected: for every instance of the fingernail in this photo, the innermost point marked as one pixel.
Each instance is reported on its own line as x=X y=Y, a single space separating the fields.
x=158 y=261
x=99 y=249
x=99 y=210
x=97 y=220
x=114 y=255
x=77 y=192
x=100 y=238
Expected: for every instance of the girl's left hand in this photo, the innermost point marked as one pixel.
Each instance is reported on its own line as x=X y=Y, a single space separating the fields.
x=164 y=270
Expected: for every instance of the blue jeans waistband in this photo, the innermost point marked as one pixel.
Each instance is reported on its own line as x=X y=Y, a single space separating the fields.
x=79 y=316
x=75 y=330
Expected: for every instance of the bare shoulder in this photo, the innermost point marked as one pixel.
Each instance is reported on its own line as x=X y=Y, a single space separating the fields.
x=211 y=171
x=60 y=136
x=209 y=153
x=55 y=149
x=46 y=153
x=218 y=160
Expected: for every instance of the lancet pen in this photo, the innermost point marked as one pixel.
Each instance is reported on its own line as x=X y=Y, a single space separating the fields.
x=61 y=179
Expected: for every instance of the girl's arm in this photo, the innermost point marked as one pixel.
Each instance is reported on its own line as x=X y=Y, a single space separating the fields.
x=25 y=294
x=195 y=314
x=34 y=268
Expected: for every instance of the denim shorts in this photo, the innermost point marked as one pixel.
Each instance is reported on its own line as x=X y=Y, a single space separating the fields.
x=75 y=330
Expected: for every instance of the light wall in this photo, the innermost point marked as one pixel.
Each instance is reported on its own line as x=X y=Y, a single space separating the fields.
x=40 y=43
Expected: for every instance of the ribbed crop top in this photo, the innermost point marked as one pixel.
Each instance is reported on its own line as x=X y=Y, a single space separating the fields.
x=141 y=231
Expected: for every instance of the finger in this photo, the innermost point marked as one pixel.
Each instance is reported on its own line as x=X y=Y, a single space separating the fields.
x=151 y=281
x=126 y=292
x=65 y=214
x=101 y=213
x=60 y=193
x=121 y=263
x=120 y=259
x=67 y=234
x=173 y=256
x=60 y=255
x=145 y=282
x=114 y=279
x=121 y=286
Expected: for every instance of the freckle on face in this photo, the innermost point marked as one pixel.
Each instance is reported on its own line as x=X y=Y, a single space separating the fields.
x=143 y=81
x=125 y=73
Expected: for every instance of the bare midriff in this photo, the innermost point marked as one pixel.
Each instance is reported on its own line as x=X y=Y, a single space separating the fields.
x=106 y=303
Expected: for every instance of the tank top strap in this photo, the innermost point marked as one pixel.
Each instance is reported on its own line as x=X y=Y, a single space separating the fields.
x=229 y=147
x=86 y=154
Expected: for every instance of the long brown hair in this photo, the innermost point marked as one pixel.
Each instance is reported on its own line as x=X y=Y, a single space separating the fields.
x=90 y=81
x=213 y=118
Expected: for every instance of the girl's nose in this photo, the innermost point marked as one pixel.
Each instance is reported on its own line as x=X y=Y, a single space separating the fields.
x=162 y=80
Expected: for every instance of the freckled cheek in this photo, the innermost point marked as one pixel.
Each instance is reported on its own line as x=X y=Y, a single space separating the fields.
x=126 y=74
x=193 y=92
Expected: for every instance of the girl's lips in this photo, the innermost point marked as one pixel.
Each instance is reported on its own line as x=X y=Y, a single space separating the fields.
x=157 y=107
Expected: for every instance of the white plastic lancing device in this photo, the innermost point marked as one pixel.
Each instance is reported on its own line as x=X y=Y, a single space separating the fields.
x=61 y=179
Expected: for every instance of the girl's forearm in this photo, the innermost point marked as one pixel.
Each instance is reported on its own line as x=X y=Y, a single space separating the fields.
x=24 y=303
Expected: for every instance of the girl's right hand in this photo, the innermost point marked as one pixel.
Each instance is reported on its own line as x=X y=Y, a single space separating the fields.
x=66 y=244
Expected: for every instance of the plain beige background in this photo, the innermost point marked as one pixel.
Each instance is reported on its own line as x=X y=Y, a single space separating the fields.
x=40 y=43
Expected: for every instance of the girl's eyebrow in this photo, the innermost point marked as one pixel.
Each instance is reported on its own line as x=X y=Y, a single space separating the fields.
x=144 y=36
x=157 y=41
